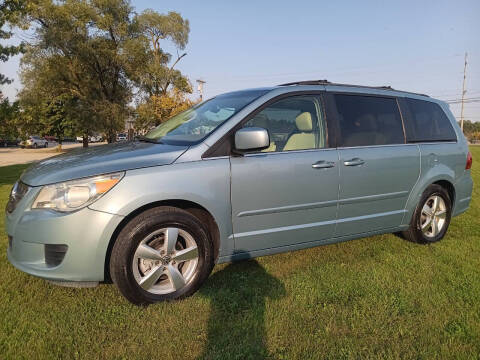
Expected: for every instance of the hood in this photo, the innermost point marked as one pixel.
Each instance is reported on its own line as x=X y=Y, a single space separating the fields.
x=101 y=159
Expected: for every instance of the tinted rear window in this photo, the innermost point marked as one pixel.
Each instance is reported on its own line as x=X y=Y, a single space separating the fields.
x=428 y=122
x=368 y=120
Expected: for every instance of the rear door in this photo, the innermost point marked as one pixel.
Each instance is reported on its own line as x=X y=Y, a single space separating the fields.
x=377 y=168
x=287 y=194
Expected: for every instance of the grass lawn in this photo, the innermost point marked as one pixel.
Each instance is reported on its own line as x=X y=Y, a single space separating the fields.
x=377 y=297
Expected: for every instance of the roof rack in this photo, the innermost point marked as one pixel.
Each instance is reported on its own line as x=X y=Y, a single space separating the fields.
x=326 y=82
x=307 y=82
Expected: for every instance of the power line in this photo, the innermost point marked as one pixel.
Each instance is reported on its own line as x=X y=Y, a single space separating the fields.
x=470 y=98
x=474 y=93
x=463 y=101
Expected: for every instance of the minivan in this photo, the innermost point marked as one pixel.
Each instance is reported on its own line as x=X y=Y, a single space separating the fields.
x=245 y=174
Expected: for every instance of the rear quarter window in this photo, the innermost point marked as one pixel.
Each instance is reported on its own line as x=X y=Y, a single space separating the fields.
x=428 y=122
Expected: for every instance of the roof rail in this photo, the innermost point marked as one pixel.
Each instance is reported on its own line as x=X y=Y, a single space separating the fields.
x=326 y=82
x=307 y=82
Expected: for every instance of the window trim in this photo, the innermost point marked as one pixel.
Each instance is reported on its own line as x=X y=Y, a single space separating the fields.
x=335 y=116
x=223 y=147
x=409 y=123
x=259 y=154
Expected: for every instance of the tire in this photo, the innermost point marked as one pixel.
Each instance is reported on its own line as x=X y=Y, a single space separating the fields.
x=46 y=145
x=152 y=228
x=422 y=226
x=34 y=145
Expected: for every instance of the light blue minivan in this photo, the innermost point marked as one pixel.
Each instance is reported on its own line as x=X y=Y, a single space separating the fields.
x=244 y=174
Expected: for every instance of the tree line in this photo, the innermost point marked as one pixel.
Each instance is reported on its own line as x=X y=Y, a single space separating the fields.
x=90 y=65
x=471 y=130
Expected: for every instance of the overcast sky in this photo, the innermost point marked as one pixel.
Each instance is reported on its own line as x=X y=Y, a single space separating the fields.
x=411 y=45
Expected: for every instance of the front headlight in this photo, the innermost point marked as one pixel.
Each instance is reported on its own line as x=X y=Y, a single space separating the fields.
x=76 y=194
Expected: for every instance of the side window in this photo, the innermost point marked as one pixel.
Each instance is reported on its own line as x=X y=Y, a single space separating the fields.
x=368 y=120
x=294 y=123
x=429 y=122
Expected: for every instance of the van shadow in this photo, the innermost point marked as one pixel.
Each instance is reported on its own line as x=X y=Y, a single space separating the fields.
x=236 y=326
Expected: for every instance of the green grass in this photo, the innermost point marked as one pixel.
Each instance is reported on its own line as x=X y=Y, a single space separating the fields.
x=378 y=297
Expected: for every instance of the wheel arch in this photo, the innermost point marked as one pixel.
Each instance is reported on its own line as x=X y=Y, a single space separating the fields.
x=447 y=185
x=444 y=179
x=193 y=208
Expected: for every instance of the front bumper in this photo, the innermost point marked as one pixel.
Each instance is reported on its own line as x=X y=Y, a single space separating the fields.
x=86 y=234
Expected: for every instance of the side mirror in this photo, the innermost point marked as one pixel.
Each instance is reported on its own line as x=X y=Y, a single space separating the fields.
x=251 y=139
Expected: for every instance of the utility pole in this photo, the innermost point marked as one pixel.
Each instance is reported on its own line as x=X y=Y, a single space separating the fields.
x=463 y=90
x=200 y=87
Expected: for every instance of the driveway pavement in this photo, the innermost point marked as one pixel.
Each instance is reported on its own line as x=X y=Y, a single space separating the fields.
x=17 y=155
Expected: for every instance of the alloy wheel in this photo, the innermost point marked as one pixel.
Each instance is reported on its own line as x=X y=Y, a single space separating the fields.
x=165 y=261
x=433 y=216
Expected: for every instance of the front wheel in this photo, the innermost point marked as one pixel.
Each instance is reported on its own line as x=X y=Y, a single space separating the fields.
x=46 y=145
x=431 y=217
x=34 y=145
x=162 y=254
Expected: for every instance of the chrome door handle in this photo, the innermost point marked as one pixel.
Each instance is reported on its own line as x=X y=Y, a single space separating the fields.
x=354 y=162
x=323 y=164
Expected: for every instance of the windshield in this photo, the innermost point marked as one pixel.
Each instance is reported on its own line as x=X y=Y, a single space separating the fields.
x=195 y=124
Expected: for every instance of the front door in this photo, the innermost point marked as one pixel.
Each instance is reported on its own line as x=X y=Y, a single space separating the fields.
x=286 y=194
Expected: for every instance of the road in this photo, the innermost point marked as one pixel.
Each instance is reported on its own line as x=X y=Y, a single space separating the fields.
x=16 y=155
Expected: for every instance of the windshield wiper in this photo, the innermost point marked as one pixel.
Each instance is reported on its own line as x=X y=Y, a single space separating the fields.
x=149 y=140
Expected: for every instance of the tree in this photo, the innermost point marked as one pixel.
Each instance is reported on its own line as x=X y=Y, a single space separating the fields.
x=158 y=109
x=155 y=76
x=8 y=115
x=164 y=87
x=475 y=136
x=59 y=118
x=11 y=12
x=97 y=53
x=79 y=53
x=471 y=129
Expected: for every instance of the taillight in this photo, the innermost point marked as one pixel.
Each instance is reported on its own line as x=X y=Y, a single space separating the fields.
x=469 y=161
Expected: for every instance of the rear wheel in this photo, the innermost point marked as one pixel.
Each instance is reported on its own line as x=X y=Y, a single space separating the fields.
x=162 y=254
x=431 y=218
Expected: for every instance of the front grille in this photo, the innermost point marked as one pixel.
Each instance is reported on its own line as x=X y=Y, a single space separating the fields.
x=18 y=192
x=54 y=254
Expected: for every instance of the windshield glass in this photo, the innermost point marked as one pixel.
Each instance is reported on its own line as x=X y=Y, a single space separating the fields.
x=195 y=124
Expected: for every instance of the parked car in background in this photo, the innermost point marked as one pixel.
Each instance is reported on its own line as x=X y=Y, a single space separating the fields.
x=8 y=141
x=122 y=137
x=91 y=138
x=245 y=174
x=50 y=139
x=95 y=138
x=34 y=142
